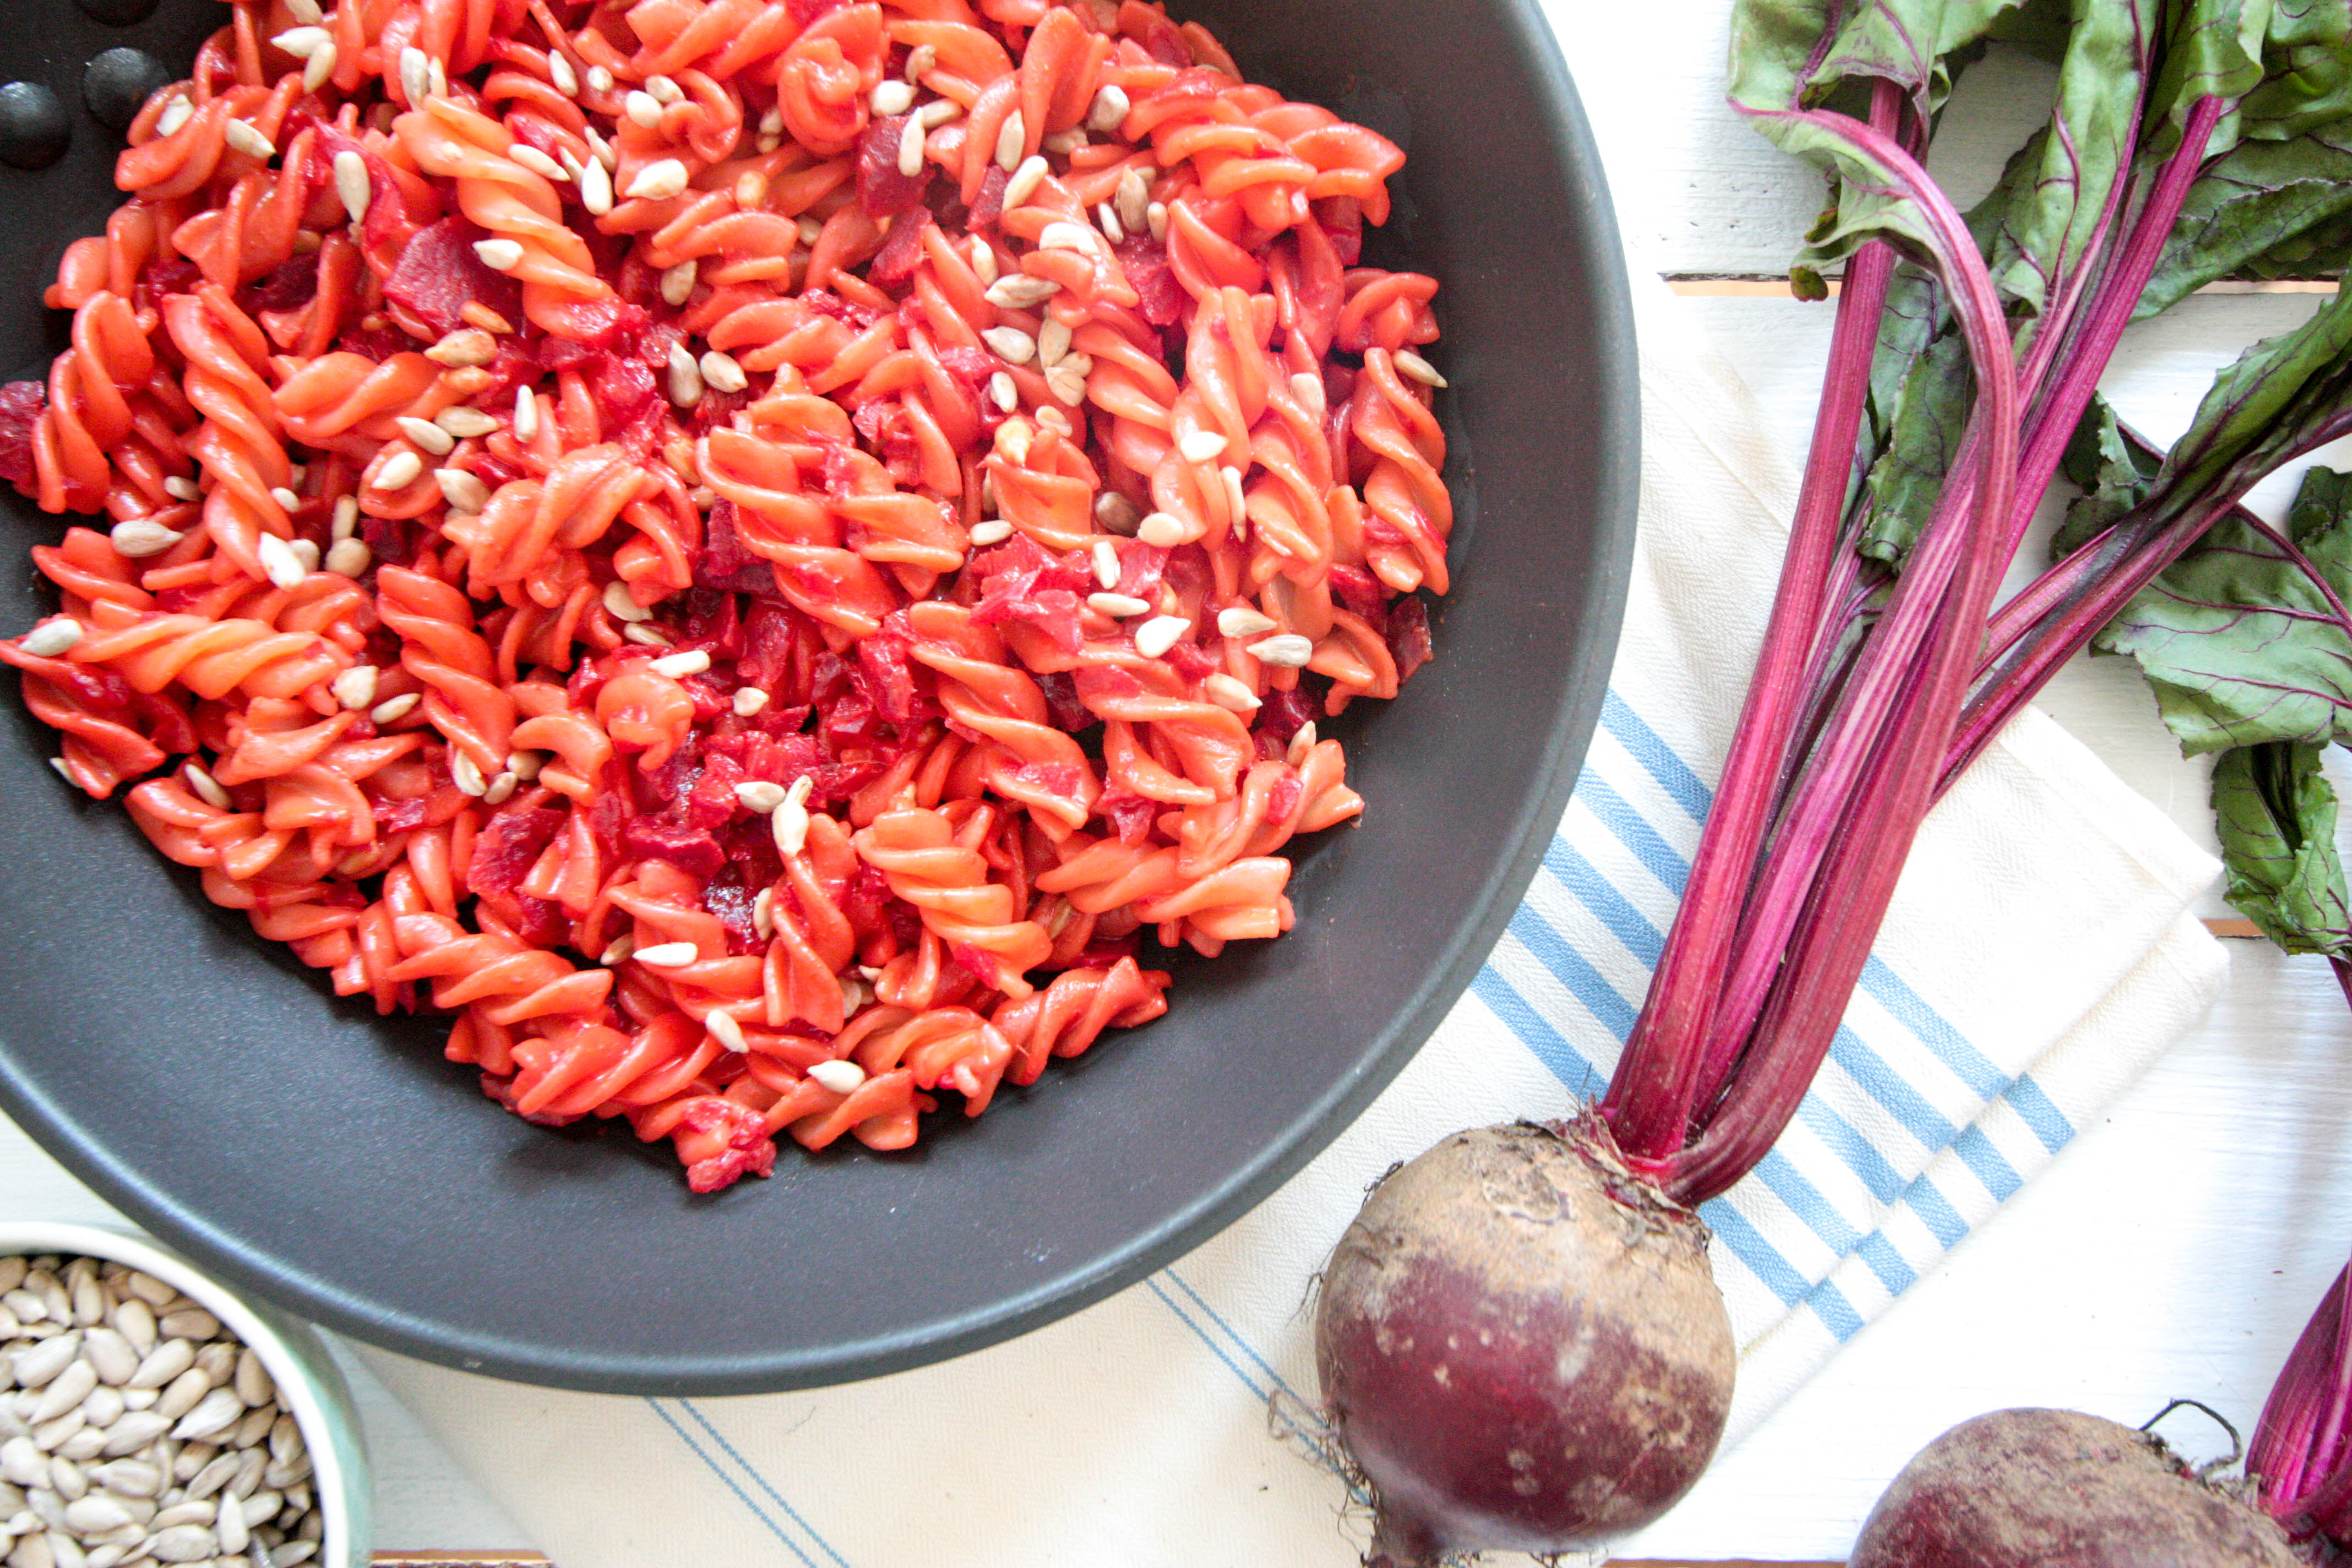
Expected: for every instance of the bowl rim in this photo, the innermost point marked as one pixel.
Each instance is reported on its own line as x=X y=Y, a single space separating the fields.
x=297 y=1385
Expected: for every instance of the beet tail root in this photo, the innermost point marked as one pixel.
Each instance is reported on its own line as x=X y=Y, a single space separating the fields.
x=1522 y=1345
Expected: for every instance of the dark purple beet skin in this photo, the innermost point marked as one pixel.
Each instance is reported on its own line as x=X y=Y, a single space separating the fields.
x=1523 y=1346
x=2055 y=1488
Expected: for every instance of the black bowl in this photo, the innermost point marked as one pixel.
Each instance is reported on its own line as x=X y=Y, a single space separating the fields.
x=213 y=1088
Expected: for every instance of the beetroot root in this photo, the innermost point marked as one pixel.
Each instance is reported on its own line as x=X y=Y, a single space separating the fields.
x=2055 y=1488
x=1523 y=1346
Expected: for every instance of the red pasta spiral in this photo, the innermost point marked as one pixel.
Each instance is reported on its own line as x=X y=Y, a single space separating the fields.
x=759 y=556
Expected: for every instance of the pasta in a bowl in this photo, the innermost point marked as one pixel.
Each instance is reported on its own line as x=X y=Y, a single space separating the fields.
x=764 y=555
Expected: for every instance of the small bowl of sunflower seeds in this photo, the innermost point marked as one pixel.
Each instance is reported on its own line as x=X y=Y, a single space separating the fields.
x=149 y=1418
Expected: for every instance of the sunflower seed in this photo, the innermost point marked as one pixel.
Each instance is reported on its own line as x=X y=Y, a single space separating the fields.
x=36 y=1367
x=1024 y=181
x=685 y=377
x=595 y=188
x=415 y=78
x=499 y=254
x=1106 y=220
x=1160 y=633
x=464 y=492
x=1011 y=138
x=278 y=563
x=1108 y=109
x=1020 y=291
x=667 y=954
x=254 y=1384
x=1230 y=694
x=760 y=796
x=242 y=136
x=992 y=530
x=657 y=181
x=208 y=790
x=183 y=1543
x=1134 y=201
x=1156 y=216
x=52 y=637
x=183 y=1393
x=677 y=666
x=1201 y=445
x=841 y=1077
x=141 y=537
x=1010 y=344
x=1161 y=529
x=1119 y=605
x=748 y=701
x=110 y=1355
x=560 y=72
x=64 y=1392
x=1413 y=366
x=599 y=79
x=1285 y=650
x=319 y=65
x=394 y=710
x=352 y=184
x=134 y=1432
x=399 y=471
x=910 y=149
x=892 y=97
x=723 y=1027
x=1066 y=236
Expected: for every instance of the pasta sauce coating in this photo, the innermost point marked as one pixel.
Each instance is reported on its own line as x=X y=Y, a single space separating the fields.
x=763 y=554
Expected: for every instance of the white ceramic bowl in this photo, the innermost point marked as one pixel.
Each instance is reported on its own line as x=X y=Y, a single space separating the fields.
x=309 y=1385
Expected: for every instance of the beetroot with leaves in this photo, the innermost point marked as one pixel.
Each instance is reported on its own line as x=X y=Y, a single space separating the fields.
x=1963 y=365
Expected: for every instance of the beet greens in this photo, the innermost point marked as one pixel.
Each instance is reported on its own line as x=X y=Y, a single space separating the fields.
x=2187 y=140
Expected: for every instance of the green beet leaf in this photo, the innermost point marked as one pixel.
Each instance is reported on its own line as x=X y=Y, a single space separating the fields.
x=2243 y=639
x=2276 y=815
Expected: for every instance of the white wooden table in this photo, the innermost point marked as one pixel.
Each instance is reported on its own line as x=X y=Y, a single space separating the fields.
x=2174 y=1249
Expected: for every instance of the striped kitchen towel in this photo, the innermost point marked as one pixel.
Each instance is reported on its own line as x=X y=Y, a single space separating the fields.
x=2040 y=953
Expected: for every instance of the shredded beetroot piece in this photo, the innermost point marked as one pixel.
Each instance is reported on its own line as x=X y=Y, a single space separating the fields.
x=882 y=191
x=690 y=850
x=825 y=302
x=1407 y=635
x=748 y=1150
x=989 y=205
x=900 y=689
x=294 y=284
x=1144 y=261
x=1062 y=702
x=439 y=274
x=21 y=404
x=902 y=248
x=507 y=848
x=1283 y=798
x=1284 y=714
x=1131 y=816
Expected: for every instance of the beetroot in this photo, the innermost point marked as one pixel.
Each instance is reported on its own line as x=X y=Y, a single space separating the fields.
x=2055 y=1488
x=1522 y=1344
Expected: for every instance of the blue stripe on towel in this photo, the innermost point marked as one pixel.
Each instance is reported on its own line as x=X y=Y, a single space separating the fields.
x=758 y=1512
x=1648 y=845
x=1657 y=759
x=790 y=1512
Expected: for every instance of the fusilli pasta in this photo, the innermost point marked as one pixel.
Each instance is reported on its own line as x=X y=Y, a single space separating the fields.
x=762 y=554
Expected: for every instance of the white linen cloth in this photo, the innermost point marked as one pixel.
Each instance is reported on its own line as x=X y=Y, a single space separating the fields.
x=2040 y=952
